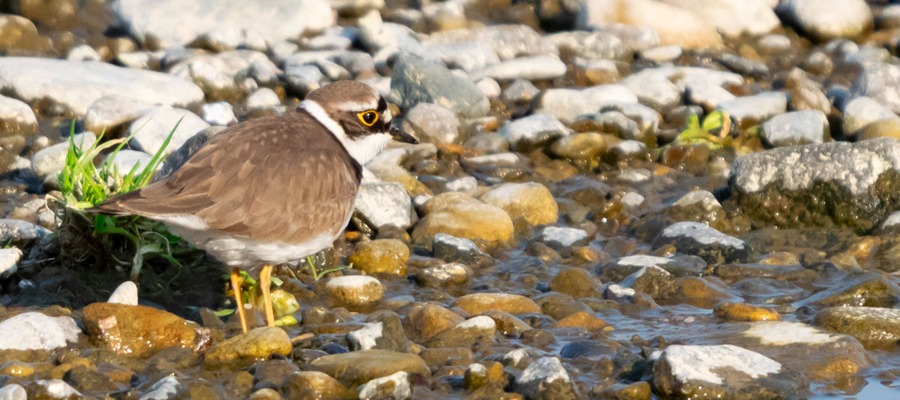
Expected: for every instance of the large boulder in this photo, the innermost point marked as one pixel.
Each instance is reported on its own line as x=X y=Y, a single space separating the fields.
x=836 y=183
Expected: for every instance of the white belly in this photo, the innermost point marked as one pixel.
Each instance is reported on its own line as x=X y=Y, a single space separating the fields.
x=239 y=251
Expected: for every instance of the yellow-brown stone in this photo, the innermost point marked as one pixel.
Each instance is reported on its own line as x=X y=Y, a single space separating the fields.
x=581 y=319
x=388 y=256
x=745 y=312
x=247 y=348
x=140 y=331
x=478 y=303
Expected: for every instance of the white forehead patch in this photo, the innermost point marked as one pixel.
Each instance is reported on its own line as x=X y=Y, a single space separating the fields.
x=359 y=106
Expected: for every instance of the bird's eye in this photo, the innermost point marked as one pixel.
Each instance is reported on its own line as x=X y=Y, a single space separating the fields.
x=368 y=118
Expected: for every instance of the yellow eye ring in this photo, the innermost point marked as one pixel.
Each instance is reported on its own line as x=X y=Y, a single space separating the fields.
x=368 y=118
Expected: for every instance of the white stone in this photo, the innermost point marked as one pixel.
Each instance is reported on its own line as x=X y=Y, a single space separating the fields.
x=36 y=331
x=461 y=244
x=126 y=293
x=635 y=175
x=400 y=382
x=53 y=159
x=545 y=370
x=13 y=391
x=83 y=52
x=892 y=220
x=463 y=184
x=154 y=127
x=702 y=197
x=177 y=23
x=515 y=356
x=567 y=104
x=9 y=259
x=642 y=261
x=702 y=233
x=219 y=113
x=841 y=18
x=489 y=87
x=862 y=111
x=528 y=68
x=114 y=110
x=479 y=322
x=632 y=200
x=499 y=159
x=75 y=85
x=567 y=237
x=352 y=282
x=697 y=363
x=385 y=203
x=631 y=147
x=784 y=333
x=16 y=112
x=58 y=389
x=163 y=389
x=365 y=338
x=261 y=99
x=682 y=76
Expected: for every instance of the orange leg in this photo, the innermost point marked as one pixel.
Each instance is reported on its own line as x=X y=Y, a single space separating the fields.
x=265 y=281
x=236 y=287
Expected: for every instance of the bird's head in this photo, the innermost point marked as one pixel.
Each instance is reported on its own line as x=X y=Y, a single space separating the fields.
x=357 y=116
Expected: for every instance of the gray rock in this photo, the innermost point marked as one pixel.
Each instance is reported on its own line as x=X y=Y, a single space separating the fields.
x=304 y=78
x=791 y=180
x=701 y=240
x=743 y=66
x=262 y=99
x=444 y=275
x=750 y=110
x=385 y=203
x=126 y=160
x=508 y=41
x=842 y=18
x=867 y=56
x=567 y=104
x=532 y=131
x=53 y=159
x=597 y=72
x=431 y=123
x=698 y=371
x=874 y=327
x=466 y=56
x=110 y=113
x=529 y=68
x=74 y=85
x=646 y=118
x=489 y=142
x=706 y=95
x=164 y=389
x=9 y=258
x=13 y=391
x=589 y=45
x=451 y=248
x=520 y=92
x=154 y=127
x=880 y=82
x=382 y=331
x=36 y=331
x=415 y=80
x=463 y=184
x=169 y=23
x=219 y=113
x=561 y=238
x=774 y=43
x=546 y=378
x=613 y=122
x=795 y=128
x=682 y=76
x=354 y=62
x=653 y=89
x=177 y=158
x=16 y=117
x=126 y=293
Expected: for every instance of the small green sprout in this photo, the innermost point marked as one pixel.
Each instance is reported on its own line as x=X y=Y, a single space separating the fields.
x=714 y=132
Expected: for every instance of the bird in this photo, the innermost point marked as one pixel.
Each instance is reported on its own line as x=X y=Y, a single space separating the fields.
x=271 y=190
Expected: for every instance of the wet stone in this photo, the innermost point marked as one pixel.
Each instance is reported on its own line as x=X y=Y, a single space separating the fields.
x=247 y=348
x=577 y=283
x=444 y=275
x=314 y=385
x=874 y=327
x=387 y=256
x=531 y=201
x=546 y=379
x=723 y=371
x=478 y=303
x=698 y=239
x=477 y=332
x=677 y=265
x=450 y=248
x=428 y=320
x=383 y=332
x=860 y=289
x=485 y=223
x=392 y=387
x=354 y=291
x=745 y=312
x=141 y=331
x=358 y=367
x=53 y=389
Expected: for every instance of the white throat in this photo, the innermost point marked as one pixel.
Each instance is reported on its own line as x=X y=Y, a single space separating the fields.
x=362 y=150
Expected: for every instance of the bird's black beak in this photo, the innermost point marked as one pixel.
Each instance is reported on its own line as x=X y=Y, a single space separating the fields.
x=401 y=136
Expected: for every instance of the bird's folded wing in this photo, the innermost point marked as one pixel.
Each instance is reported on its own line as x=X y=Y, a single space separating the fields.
x=269 y=193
